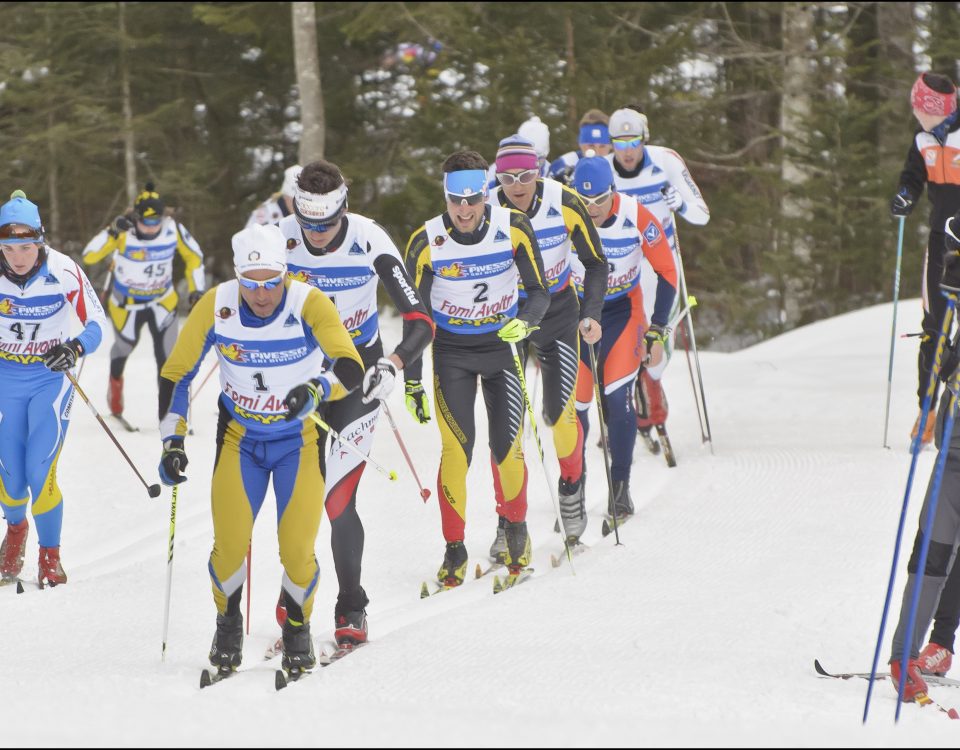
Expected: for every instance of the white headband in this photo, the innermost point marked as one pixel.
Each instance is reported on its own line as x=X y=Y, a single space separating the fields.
x=320 y=205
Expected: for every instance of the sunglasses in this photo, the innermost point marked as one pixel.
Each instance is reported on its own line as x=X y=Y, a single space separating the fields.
x=471 y=200
x=150 y=221
x=268 y=284
x=622 y=144
x=318 y=226
x=524 y=178
x=597 y=199
x=20 y=232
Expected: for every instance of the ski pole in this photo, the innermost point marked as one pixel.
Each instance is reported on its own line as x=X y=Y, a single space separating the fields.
x=536 y=439
x=927 y=530
x=391 y=475
x=203 y=382
x=249 y=584
x=424 y=492
x=915 y=451
x=893 y=330
x=166 y=602
x=152 y=489
x=603 y=439
x=705 y=434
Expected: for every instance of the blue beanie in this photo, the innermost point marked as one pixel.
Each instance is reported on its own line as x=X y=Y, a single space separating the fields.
x=18 y=210
x=592 y=176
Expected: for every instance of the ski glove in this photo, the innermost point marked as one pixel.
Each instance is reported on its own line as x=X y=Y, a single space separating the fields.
x=303 y=400
x=673 y=198
x=378 y=380
x=655 y=335
x=417 y=403
x=120 y=225
x=902 y=203
x=516 y=330
x=173 y=462
x=63 y=356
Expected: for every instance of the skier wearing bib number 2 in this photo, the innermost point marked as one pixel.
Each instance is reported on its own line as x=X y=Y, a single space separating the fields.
x=142 y=247
x=468 y=263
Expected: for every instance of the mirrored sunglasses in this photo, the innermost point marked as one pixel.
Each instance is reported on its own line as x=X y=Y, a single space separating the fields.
x=596 y=200
x=267 y=284
x=471 y=200
x=318 y=226
x=20 y=232
x=622 y=144
x=150 y=221
x=524 y=178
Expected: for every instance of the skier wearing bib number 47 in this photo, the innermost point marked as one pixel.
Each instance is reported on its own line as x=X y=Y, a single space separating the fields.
x=38 y=288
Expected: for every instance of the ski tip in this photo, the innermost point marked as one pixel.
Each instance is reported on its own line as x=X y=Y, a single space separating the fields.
x=555 y=562
x=820 y=670
x=424 y=590
x=280 y=680
x=19 y=587
x=605 y=529
x=205 y=680
x=478 y=573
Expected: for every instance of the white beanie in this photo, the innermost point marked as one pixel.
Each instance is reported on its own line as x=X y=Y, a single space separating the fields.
x=539 y=133
x=625 y=122
x=290 y=177
x=259 y=247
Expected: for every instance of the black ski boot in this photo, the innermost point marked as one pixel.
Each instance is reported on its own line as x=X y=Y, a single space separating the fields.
x=621 y=496
x=454 y=567
x=226 y=652
x=298 y=653
x=518 y=546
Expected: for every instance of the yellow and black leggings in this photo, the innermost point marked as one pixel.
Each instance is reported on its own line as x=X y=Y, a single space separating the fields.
x=456 y=367
x=242 y=471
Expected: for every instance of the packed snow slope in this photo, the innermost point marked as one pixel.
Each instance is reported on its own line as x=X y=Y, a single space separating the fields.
x=739 y=569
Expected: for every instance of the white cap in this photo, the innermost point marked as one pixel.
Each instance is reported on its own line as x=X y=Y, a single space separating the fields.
x=625 y=122
x=290 y=177
x=259 y=247
x=539 y=133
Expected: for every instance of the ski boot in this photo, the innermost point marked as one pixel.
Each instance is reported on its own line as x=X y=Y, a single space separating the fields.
x=518 y=546
x=298 y=656
x=454 y=567
x=498 y=550
x=351 y=629
x=935 y=659
x=115 y=396
x=649 y=440
x=620 y=496
x=914 y=685
x=12 y=550
x=572 y=509
x=49 y=567
x=226 y=651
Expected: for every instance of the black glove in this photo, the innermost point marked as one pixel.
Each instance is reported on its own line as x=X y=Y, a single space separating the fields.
x=902 y=203
x=173 y=462
x=303 y=399
x=120 y=225
x=194 y=298
x=63 y=356
x=655 y=335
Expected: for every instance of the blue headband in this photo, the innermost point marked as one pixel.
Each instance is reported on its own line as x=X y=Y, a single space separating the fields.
x=594 y=132
x=465 y=182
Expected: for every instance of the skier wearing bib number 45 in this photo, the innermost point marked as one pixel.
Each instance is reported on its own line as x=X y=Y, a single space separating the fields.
x=38 y=288
x=142 y=247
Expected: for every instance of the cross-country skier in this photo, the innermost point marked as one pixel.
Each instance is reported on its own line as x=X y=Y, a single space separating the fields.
x=279 y=204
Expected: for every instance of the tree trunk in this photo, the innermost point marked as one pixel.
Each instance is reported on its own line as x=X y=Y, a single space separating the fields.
x=795 y=109
x=129 y=153
x=53 y=193
x=313 y=136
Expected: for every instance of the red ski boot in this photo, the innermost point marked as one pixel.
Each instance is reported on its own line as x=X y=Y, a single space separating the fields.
x=13 y=549
x=51 y=571
x=935 y=659
x=914 y=684
x=115 y=396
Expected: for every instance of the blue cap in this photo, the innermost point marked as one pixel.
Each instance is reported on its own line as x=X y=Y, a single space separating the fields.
x=465 y=182
x=594 y=132
x=19 y=210
x=592 y=176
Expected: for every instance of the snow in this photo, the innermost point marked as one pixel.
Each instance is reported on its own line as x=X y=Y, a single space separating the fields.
x=701 y=629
